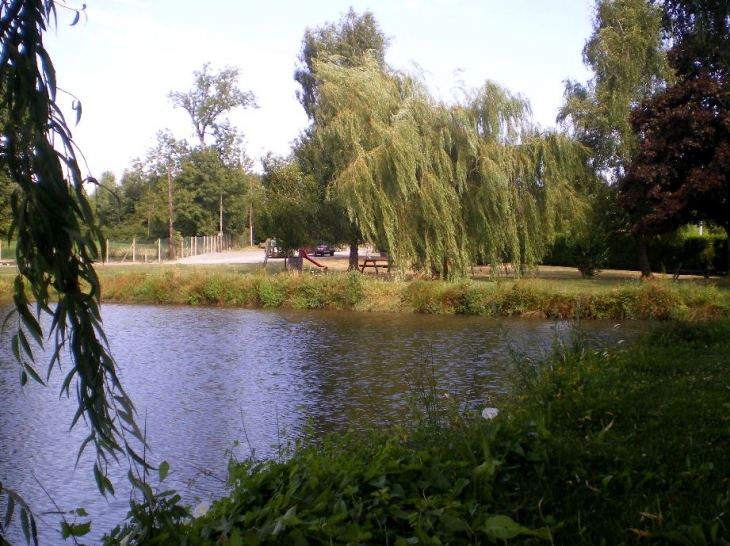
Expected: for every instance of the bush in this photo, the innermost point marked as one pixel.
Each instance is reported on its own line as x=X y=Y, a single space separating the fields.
x=666 y=252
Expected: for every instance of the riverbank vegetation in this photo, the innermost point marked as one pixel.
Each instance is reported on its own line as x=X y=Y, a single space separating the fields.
x=550 y=292
x=626 y=445
x=546 y=295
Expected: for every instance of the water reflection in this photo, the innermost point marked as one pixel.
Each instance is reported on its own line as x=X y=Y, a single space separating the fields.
x=205 y=378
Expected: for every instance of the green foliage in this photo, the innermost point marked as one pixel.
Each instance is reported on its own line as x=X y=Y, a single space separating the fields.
x=586 y=244
x=7 y=187
x=626 y=56
x=349 y=42
x=439 y=185
x=269 y=292
x=343 y=291
x=293 y=204
x=395 y=488
x=346 y=42
x=212 y=96
x=586 y=299
x=354 y=290
x=666 y=488
x=153 y=519
x=683 y=247
x=14 y=501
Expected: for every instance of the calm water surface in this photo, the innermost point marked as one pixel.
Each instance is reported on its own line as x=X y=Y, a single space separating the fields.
x=210 y=383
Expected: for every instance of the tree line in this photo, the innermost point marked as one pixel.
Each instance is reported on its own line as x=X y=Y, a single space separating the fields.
x=640 y=150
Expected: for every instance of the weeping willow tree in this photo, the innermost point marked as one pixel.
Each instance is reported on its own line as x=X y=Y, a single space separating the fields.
x=444 y=185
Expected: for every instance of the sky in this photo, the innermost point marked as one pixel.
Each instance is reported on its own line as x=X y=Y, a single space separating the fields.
x=125 y=56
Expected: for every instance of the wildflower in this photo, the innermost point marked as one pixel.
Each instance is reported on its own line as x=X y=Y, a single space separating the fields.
x=490 y=413
x=201 y=509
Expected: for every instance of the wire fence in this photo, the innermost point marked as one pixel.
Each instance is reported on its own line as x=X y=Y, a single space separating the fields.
x=141 y=251
x=149 y=251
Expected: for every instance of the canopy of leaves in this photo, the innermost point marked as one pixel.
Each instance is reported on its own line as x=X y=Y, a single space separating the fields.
x=682 y=172
x=626 y=56
x=442 y=185
x=212 y=96
x=346 y=42
x=699 y=32
x=292 y=204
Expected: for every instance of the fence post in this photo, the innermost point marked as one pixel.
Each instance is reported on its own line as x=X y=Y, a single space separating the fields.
x=159 y=251
x=134 y=250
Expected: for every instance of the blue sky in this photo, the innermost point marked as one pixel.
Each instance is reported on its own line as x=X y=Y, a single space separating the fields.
x=127 y=55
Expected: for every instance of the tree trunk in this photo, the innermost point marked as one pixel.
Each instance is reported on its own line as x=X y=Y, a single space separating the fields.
x=354 y=257
x=642 y=256
x=220 y=217
x=250 y=211
x=727 y=244
x=170 y=227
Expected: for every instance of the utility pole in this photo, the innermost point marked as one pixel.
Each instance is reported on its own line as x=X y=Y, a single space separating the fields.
x=220 y=216
x=170 y=227
x=250 y=210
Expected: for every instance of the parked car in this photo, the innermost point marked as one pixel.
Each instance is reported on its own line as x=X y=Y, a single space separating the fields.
x=324 y=248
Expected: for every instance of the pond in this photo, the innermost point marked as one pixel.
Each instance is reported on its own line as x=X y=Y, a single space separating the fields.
x=211 y=383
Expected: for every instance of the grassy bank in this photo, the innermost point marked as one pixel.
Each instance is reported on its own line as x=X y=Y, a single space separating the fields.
x=545 y=296
x=622 y=446
x=554 y=293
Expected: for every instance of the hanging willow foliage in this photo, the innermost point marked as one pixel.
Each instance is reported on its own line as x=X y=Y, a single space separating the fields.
x=57 y=240
x=439 y=185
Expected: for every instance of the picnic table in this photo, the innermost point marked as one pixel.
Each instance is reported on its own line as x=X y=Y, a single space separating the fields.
x=376 y=263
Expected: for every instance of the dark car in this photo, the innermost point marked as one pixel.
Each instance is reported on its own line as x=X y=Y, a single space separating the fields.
x=324 y=248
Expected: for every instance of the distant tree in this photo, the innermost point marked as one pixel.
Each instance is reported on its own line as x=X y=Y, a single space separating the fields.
x=442 y=185
x=164 y=161
x=202 y=183
x=628 y=61
x=238 y=189
x=212 y=96
x=346 y=43
x=142 y=205
x=682 y=172
x=350 y=42
x=106 y=201
x=292 y=203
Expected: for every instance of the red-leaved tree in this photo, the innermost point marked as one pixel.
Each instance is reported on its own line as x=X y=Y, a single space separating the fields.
x=682 y=171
